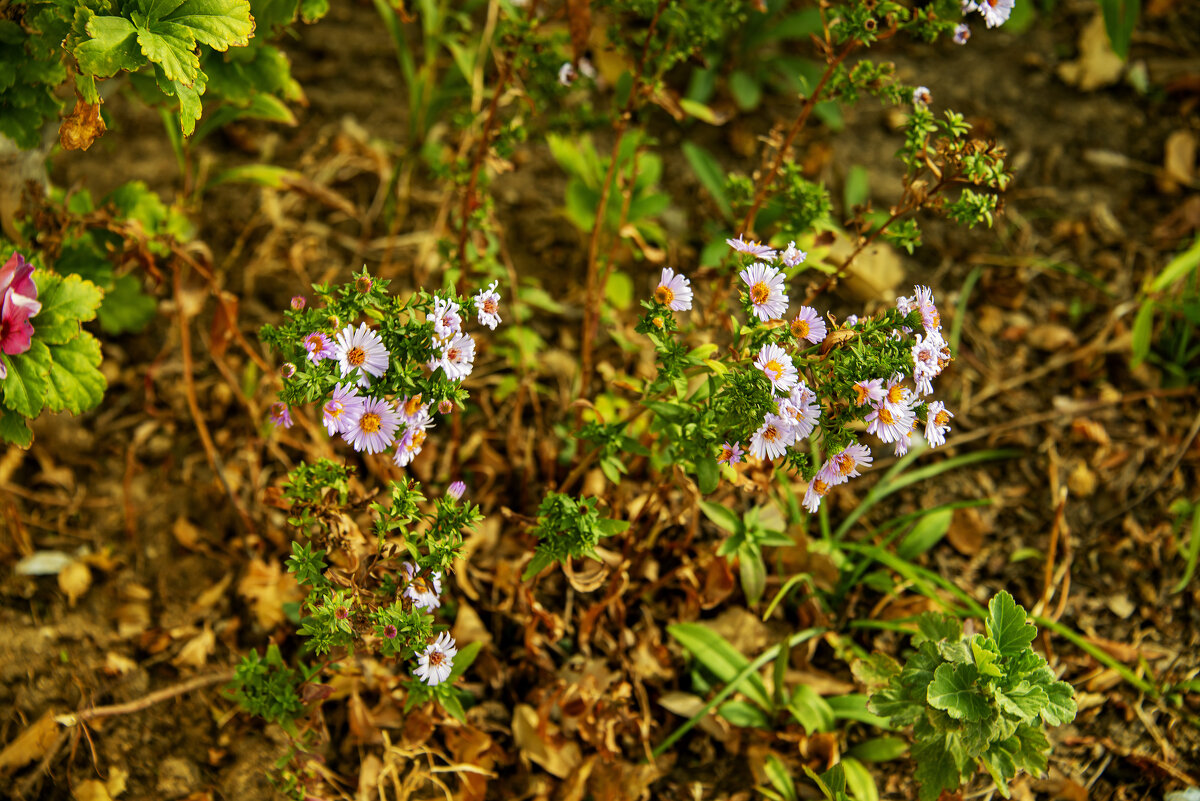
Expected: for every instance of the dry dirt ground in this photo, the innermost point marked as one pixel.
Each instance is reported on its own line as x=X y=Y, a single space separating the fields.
x=181 y=585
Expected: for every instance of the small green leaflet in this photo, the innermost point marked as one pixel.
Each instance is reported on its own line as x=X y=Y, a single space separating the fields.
x=954 y=690
x=1007 y=626
x=27 y=384
x=14 y=429
x=938 y=767
x=65 y=303
x=76 y=383
x=1023 y=701
x=112 y=48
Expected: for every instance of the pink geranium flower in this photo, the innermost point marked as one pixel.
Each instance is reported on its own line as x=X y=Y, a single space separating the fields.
x=18 y=303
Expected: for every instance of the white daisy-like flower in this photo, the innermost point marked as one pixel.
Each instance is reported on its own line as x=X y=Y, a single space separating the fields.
x=792 y=255
x=766 y=287
x=801 y=409
x=374 y=429
x=808 y=325
x=456 y=356
x=961 y=34
x=930 y=318
x=922 y=97
x=423 y=590
x=868 y=390
x=888 y=425
x=341 y=411
x=817 y=490
x=902 y=444
x=905 y=305
x=445 y=318
x=487 y=304
x=927 y=363
x=772 y=438
x=412 y=408
x=846 y=463
x=437 y=661
x=567 y=74
x=753 y=247
x=674 y=291
x=995 y=12
x=897 y=397
x=777 y=366
x=937 y=423
x=408 y=446
x=318 y=346
x=360 y=351
x=851 y=321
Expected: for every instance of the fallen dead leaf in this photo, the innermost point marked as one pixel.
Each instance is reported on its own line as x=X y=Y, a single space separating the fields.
x=186 y=533
x=685 y=705
x=1179 y=161
x=1097 y=64
x=875 y=272
x=1081 y=481
x=91 y=790
x=268 y=588
x=30 y=744
x=967 y=531
x=557 y=759
x=117 y=665
x=209 y=597
x=196 y=651
x=1051 y=337
x=74 y=580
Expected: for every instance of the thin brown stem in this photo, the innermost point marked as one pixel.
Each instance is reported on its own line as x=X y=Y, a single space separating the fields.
x=146 y=701
x=477 y=164
x=805 y=111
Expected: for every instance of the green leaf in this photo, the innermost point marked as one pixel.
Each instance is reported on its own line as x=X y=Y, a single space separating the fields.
x=953 y=690
x=451 y=704
x=723 y=516
x=859 y=781
x=14 y=429
x=1143 y=331
x=928 y=531
x=126 y=307
x=857 y=189
x=65 y=303
x=464 y=659
x=748 y=716
x=1023 y=701
x=313 y=10
x=875 y=670
x=753 y=574
x=745 y=90
x=939 y=761
x=722 y=659
x=1060 y=705
x=76 y=384
x=220 y=24
x=1033 y=751
x=708 y=475
x=112 y=48
x=172 y=47
x=810 y=710
x=935 y=627
x=1007 y=625
x=28 y=380
x=711 y=175
x=1177 y=268
x=780 y=777
x=985 y=659
x=880 y=749
x=1120 y=18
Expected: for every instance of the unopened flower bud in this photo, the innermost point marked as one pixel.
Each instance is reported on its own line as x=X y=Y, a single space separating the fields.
x=363 y=284
x=299 y=302
x=288 y=370
x=446 y=406
x=456 y=490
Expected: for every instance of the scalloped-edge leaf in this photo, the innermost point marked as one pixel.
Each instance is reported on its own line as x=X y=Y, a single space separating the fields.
x=76 y=383
x=112 y=48
x=953 y=690
x=14 y=429
x=1008 y=626
x=66 y=302
x=28 y=382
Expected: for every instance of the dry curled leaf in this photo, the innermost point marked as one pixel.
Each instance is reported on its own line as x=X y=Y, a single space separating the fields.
x=30 y=744
x=81 y=127
x=74 y=580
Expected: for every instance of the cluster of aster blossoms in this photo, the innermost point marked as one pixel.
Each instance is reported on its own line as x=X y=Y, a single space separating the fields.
x=18 y=303
x=373 y=424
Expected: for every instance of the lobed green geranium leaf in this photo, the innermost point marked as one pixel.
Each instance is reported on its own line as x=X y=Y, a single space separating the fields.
x=112 y=47
x=1060 y=705
x=66 y=302
x=75 y=381
x=1007 y=625
x=1023 y=701
x=172 y=47
x=939 y=765
x=28 y=382
x=954 y=691
x=14 y=429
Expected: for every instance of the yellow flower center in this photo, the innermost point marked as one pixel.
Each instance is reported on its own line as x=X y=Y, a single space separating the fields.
x=771 y=434
x=334 y=409
x=413 y=404
x=489 y=306
x=417 y=441
x=860 y=394
x=664 y=295
x=369 y=423
x=895 y=394
x=774 y=369
x=845 y=464
x=436 y=658
x=658 y=322
x=819 y=486
x=726 y=454
x=885 y=416
x=452 y=354
x=800 y=328
x=355 y=357
x=941 y=418
x=422 y=584
x=759 y=293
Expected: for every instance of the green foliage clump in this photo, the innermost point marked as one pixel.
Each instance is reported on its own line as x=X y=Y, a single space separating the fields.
x=982 y=699
x=268 y=688
x=568 y=527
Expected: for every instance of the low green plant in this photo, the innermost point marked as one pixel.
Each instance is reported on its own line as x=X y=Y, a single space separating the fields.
x=1164 y=330
x=568 y=527
x=978 y=700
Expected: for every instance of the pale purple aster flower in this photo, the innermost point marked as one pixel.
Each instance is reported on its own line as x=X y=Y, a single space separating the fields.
x=847 y=462
x=851 y=321
x=730 y=454
x=445 y=318
x=674 y=291
x=487 y=303
x=777 y=366
x=413 y=410
x=897 y=397
x=968 y=6
x=924 y=304
x=905 y=305
x=890 y=426
x=374 y=429
x=922 y=97
x=995 y=12
x=830 y=476
x=408 y=446
x=281 y=415
x=817 y=490
x=869 y=390
x=456 y=356
x=341 y=411
x=456 y=490
x=753 y=247
x=793 y=255
x=299 y=302
x=902 y=444
x=927 y=363
x=318 y=346
x=423 y=590
x=567 y=74
x=937 y=423
x=801 y=409
x=437 y=661
x=767 y=293
x=809 y=325
x=961 y=34
x=772 y=438
x=361 y=351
